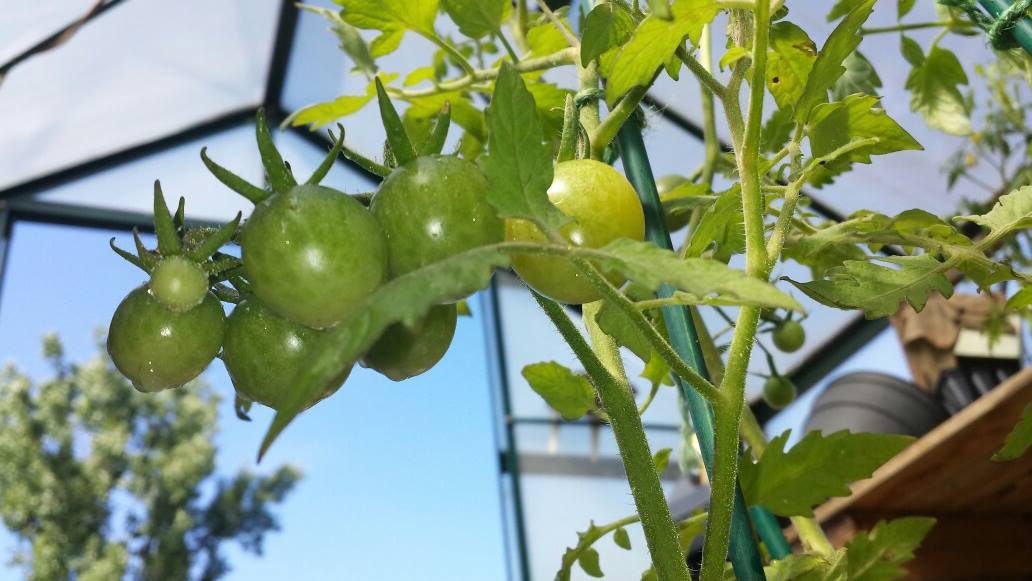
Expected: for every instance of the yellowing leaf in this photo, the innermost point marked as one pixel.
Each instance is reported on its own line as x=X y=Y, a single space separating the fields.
x=1011 y=212
x=390 y=15
x=789 y=62
x=325 y=113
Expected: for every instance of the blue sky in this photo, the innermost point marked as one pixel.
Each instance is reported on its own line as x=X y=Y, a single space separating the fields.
x=401 y=479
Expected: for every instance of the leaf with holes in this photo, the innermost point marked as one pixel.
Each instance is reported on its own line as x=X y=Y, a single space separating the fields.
x=789 y=62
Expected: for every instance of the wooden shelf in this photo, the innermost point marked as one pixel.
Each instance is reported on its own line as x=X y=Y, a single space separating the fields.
x=984 y=507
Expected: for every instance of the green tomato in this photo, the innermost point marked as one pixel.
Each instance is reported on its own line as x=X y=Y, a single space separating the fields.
x=157 y=348
x=264 y=353
x=403 y=352
x=179 y=283
x=604 y=207
x=778 y=391
x=789 y=336
x=665 y=185
x=312 y=254
x=433 y=207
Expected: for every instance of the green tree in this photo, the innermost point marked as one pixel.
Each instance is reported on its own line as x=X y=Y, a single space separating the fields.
x=71 y=445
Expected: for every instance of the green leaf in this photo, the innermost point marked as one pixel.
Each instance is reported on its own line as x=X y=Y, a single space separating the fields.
x=860 y=77
x=841 y=8
x=804 y=567
x=1020 y=300
x=654 y=42
x=911 y=51
x=618 y=325
x=477 y=18
x=878 y=290
x=608 y=25
x=733 y=55
x=545 y=39
x=815 y=469
x=777 y=130
x=789 y=62
x=519 y=163
x=391 y=16
x=351 y=42
x=404 y=299
x=903 y=7
x=622 y=539
x=1011 y=212
x=828 y=67
x=721 y=226
x=563 y=390
x=935 y=93
x=1019 y=440
x=588 y=561
x=662 y=459
x=833 y=125
x=878 y=555
x=651 y=266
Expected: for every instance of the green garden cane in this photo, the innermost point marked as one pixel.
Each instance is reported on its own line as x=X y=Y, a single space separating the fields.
x=1006 y=24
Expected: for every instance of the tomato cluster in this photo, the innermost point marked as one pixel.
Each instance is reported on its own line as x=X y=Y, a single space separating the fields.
x=309 y=255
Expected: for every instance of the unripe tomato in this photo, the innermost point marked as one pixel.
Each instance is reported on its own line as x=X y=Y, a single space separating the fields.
x=665 y=185
x=433 y=207
x=401 y=352
x=778 y=391
x=312 y=254
x=264 y=353
x=605 y=208
x=179 y=283
x=789 y=336
x=157 y=348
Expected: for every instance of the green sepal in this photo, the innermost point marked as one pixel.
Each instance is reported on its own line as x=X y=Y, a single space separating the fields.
x=366 y=163
x=241 y=407
x=211 y=244
x=398 y=139
x=179 y=219
x=223 y=264
x=435 y=141
x=145 y=256
x=233 y=181
x=129 y=257
x=168 y=238
x=571 y=130
x=226 y=294
x=327 y=163
x=280 y=177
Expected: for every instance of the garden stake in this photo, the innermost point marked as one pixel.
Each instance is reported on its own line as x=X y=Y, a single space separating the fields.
x=744 y=553
x=1022 y=28
x=1006 y=24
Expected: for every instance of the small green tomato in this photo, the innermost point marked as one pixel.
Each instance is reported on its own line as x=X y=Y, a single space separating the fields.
x=179 y=283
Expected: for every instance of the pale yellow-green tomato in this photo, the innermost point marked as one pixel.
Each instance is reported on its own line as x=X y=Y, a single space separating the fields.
x=604 y=206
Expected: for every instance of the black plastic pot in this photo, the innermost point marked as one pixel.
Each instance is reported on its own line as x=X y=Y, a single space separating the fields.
x=877 y=403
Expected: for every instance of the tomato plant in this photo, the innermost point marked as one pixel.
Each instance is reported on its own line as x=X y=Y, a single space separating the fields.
x=349 y=283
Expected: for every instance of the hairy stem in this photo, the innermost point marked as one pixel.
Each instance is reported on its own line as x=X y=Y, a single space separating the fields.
x=617 y=400
x=728 y=414
x=566 y=56
x=606 y=132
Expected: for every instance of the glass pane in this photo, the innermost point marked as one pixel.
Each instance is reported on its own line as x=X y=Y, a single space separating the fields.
x=383 y=462
x=31 y=22
x=123 y=81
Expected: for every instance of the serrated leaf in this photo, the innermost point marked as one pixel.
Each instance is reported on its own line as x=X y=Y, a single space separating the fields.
x=654 y=42
x=622 y=539
x=860 y=77
x=878 y=290
x=1018 y=440
x=789 y=62
x=519 y=162
x=607 y=26
x=722 y=226
x=662 y=459
x=477 y=18
x=391 y=15
x=833 y=125
x=322 y=114
x=828 y=66
x=934 y=87
x=351 y=42
x=404 y=299
x=544 y=39
x=588 y=561
x=815 y=469
x=878 y=555
x=804 y=567
x=563 y=390
x=1011 y=212
x=651 y=266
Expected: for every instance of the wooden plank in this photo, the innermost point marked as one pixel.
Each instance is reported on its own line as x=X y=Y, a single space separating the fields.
x=948 y=470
